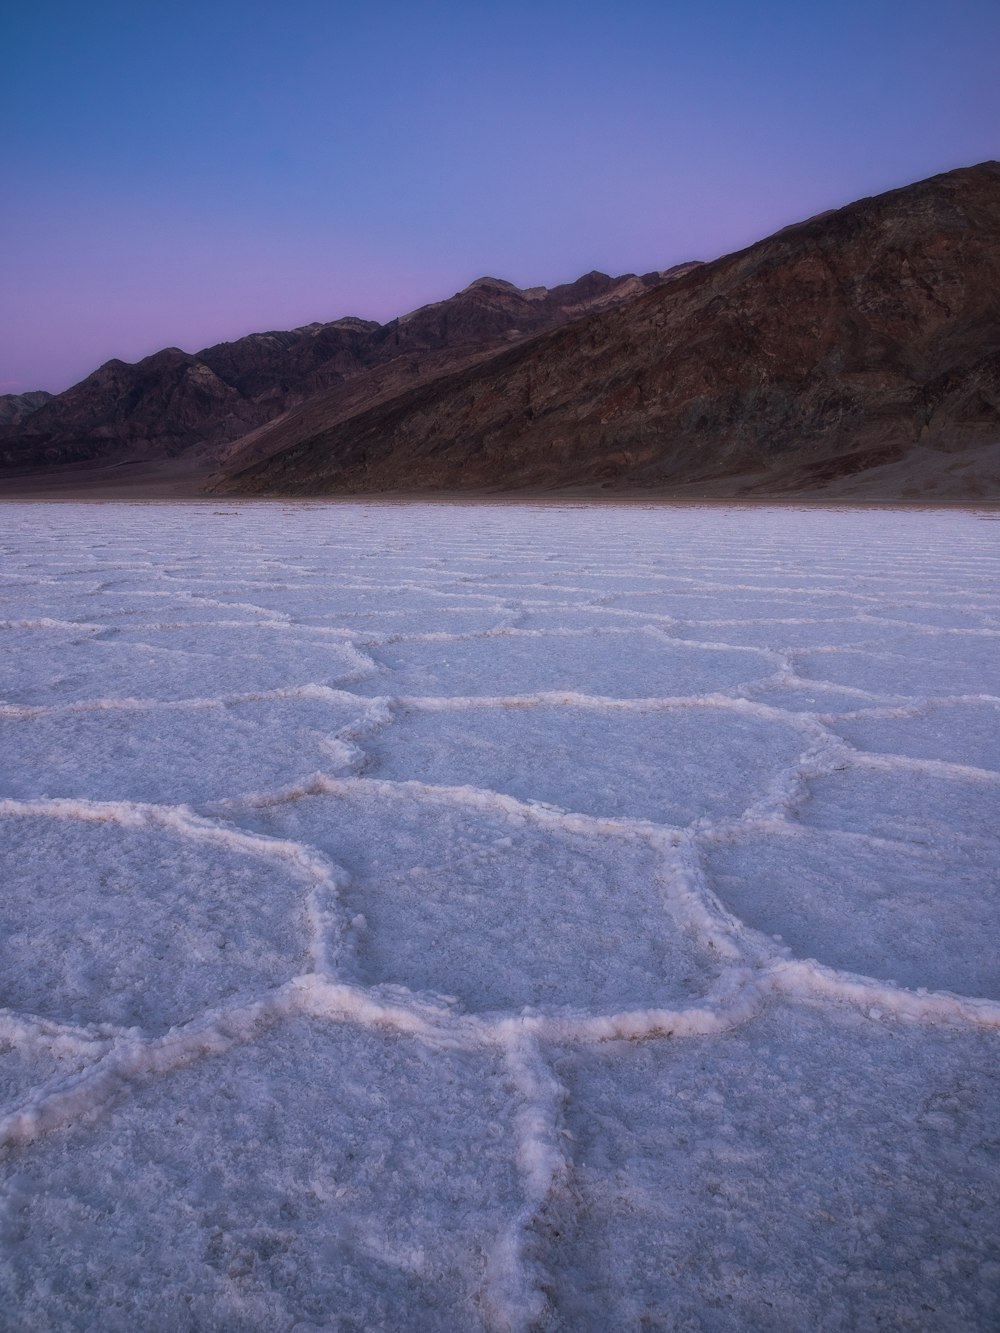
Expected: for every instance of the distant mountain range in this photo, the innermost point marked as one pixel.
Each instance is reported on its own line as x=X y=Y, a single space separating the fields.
x=16 y=407
x=857 y=353
x=175 y=402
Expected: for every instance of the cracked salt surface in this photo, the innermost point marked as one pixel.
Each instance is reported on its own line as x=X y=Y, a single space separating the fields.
x=569 y=756
x=187 y=751
x=814 y=1169
x=128 y=921
x=507 y=917
x=619 y=663
x=461 y=893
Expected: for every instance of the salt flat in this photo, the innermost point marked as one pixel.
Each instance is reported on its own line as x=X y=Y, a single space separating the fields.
x=499 y=916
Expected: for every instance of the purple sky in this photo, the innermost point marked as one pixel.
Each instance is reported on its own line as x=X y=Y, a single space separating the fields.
x=182 y=173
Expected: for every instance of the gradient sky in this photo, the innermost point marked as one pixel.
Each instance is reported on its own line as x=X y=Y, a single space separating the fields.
x=180 y=173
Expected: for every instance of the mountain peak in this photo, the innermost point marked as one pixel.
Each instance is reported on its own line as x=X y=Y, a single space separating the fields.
x=491 y=284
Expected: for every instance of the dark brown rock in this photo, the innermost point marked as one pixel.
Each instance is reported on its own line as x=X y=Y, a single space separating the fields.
x=175 y=402
x=831 y=350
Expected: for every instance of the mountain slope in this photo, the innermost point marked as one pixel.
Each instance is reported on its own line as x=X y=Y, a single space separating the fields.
x=174 y=402
x=17 y=407
x=835 y=347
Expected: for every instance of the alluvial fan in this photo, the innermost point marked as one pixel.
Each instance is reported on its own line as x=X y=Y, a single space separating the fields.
x=499 y=916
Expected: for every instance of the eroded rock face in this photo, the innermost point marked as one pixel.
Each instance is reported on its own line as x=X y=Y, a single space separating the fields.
x=16 y=407
x=160 y=405
x=835 y=348
x=174 y=401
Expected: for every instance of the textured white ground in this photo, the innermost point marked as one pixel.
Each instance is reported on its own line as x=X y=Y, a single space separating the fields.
x=508 y=917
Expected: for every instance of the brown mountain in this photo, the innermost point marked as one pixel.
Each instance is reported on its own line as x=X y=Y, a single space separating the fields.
x=446 y=337
x=176 y=402
x=856 y=352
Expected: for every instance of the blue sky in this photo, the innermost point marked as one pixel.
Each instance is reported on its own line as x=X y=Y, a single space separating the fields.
x=178 y=174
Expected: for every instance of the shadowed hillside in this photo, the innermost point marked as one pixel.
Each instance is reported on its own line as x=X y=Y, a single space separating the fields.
x=174 y=403
x=862 y=346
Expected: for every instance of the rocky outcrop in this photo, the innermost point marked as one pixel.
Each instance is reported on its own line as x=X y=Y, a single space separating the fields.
x=174 y=402
x=830 y=350
x=16 y=407
x=159 y=406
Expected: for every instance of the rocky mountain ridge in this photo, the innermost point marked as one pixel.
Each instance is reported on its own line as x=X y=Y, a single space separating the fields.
x=864 y=342
x=174 y=402
x=856 y=353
